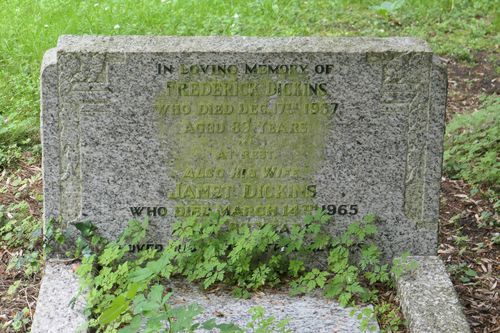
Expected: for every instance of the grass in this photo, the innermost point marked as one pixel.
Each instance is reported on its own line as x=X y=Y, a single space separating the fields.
x=29 y=27
x=471 y=146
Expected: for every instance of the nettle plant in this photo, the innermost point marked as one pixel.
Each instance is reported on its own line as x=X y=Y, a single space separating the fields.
x=127 y=293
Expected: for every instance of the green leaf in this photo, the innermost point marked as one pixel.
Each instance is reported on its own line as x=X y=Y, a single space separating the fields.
x=119 y=305
x=223 y=328
x=184 y=316
x=143 y=305
x=133 y=327
x=344 y=298
x=209 y=324
x=111 y=253
x=308 y=219
x=140 y=275
x=156 y=293
x=132 y=290
x=464 y=279
x=156 y=322
x=470 y=272
x=86 y=228
x=229 y=328
x=295 y=267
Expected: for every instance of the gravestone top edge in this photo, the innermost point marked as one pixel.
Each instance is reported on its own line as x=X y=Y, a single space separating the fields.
x=49 y=58
x=240 y=44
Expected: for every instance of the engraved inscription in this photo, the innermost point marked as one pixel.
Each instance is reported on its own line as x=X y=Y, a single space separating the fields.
x=249 y=138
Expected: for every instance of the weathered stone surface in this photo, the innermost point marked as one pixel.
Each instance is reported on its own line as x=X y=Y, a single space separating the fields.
x=351 y=124
x=428 y=299
x=306 y=314
x=54 y=311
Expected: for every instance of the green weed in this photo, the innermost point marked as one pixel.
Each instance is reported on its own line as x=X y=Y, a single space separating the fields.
x=471 y=146
x=124 y=295
x=389 y=317
x=19 y=229
x=463 y=272
x=262 y=324
x=128 y=291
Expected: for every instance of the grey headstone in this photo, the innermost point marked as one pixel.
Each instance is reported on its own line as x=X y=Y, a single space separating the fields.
x=134 y=122
x=357 y=126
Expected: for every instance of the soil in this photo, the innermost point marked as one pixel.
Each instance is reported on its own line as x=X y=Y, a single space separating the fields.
x=466 y=234
x=466 y=240
x=466 y=83
x=469 y=223
x=25 y=296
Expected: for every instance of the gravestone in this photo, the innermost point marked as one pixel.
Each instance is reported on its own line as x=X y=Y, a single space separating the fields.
x=261 y=129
